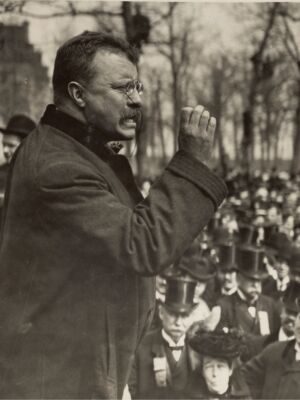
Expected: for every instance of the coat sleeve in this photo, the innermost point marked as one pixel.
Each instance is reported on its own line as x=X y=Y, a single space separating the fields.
x=254 y=373
x=77 y=199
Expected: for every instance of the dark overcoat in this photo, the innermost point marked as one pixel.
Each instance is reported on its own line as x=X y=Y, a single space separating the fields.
x=79 y=250
x=142 y=383
x=234 y=314
x=274 y=373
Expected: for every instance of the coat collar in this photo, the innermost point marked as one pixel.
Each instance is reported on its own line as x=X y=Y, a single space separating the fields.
x=78 y=131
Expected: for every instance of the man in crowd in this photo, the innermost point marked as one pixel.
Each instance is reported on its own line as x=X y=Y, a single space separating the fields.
x=275 y=372
x=80 y=247
x=226 y=281
x=164 y=361
x=18 y=127
x=288 y=315
x=247 y=309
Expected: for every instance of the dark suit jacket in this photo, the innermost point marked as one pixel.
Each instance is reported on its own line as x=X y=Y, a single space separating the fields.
x=78 y=251
x=274 y=373
x=142 y=383
x=234 y=314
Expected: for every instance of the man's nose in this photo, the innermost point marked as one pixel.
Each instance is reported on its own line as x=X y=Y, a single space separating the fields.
x=135 y=99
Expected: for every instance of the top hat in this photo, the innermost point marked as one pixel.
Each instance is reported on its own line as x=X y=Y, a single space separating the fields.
x=222 y=344
x=19 y=125
x=180 y=294
x=269 y=231
x=248 y=234
x=250 y=261
x=291 y=297
x=294 y=262
x=280 y=245
x=227 y=256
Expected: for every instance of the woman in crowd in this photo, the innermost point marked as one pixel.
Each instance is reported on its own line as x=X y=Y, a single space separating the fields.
x=217 y=376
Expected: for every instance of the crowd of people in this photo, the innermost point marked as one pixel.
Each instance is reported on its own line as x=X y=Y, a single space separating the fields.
x=186 y=293
x=227 y=321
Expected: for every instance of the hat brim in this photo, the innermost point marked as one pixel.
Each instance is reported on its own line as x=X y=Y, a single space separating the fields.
x=257 y=276
x=227 y=267
x=199 y=277
x=5 y=131
x=179 y=307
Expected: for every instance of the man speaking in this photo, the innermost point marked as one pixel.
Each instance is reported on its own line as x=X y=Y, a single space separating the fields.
x=80 y=246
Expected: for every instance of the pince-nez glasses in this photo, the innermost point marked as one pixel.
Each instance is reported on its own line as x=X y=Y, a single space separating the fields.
x=131 y=86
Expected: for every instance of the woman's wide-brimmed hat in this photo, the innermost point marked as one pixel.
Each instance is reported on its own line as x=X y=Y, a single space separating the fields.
x=224 y=344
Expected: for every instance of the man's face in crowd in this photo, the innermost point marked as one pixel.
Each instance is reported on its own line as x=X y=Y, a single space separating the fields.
x=108 y=108
x=297 y=328
x=174 y=323
x=249 y=286
x=227 y=279
x=216 y=373
x=199 y=290
x=161 y=284
x=10 y=143
x=288 y=318
x=281 y=268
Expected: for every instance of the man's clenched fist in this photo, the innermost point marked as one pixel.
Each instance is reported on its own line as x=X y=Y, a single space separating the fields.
x=196 y=133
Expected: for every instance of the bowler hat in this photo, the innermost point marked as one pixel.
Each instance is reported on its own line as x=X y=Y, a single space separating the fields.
x=19 y=125
x=194 y=263
x=291 y=296
x=180 y=294
x=222 y=344
x=227 y=256
x=202 y=270
x=251 y=263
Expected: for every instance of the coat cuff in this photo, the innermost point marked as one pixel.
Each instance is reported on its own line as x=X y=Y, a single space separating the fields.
x=196 y=172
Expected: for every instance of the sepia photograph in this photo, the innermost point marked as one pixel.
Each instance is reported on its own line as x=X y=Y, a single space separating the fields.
x=149 y=200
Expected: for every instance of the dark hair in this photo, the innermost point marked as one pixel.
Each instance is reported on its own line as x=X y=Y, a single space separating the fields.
x=74 y=58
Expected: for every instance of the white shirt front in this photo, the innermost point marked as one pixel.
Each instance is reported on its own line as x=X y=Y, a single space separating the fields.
x=181 y=342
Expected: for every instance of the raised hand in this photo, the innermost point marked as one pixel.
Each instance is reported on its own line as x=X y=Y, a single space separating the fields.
x=196 y=133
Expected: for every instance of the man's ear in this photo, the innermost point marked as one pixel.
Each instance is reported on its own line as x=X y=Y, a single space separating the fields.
x=75 y=91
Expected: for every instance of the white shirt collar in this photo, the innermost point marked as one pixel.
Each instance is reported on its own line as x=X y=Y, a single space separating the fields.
x=170 y=341
x=297 y=347
x=241 y=294
x=282 y=337
x=228 y=292
x=282 y=284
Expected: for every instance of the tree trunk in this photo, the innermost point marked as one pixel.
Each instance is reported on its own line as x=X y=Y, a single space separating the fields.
x=295 y=166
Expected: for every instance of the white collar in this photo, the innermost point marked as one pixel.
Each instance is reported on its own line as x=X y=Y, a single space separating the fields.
x=282 y=283
x=160 y=296
x=241 y=294
x=282 y=337
x=170 y=341
x=297 y=347
x=228 y=292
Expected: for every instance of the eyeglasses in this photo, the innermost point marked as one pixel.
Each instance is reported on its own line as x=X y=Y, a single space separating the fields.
x=130 y=87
